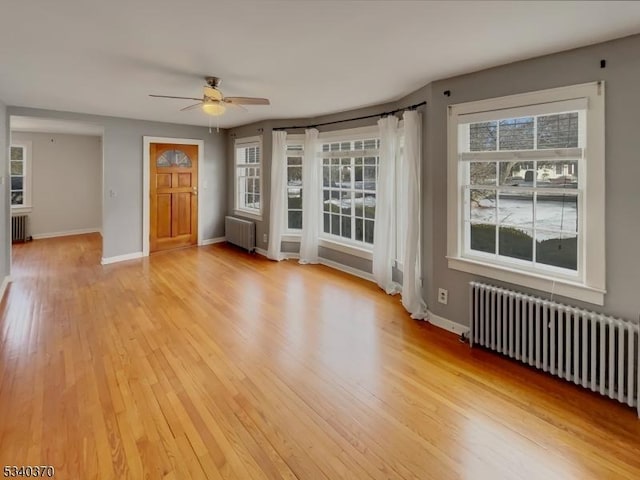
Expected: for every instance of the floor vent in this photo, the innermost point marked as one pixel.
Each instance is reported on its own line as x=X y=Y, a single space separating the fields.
x=589 y=349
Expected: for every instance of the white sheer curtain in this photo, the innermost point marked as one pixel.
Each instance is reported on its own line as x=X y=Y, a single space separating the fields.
x=411 y=286
x=384 y=236
x=310 y=199
x=277 y=220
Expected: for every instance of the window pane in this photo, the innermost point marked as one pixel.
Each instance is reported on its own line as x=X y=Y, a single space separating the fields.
x=482 y=136
x=17 y=198
x=559 y=250
x=516 y=133
x=346 y=227
x=370 y=206
x=345 y=179
x=515 y=209
x=16 y=183
x=335 y=201
x=335 y=224
x=482 y=173
x=295 y=220
x=370 y=144
x=483 y=237
x=517 y=174
x=482 y=206
x=369 y=178
x=359 y=229
x=359 y=204
x=326 y=202
x=294 y=160
x=368 y=231
x=327 y=223
x=557 y=212
x=558 y=131
x=516 y=243
x=558 y=174
x=17 y=168
x=173 y=158
x=294 y=176
x=345 y=203
x=358 y=183
x=294 y=198
x=335 y=175
x=17 y=153
x=326 y=175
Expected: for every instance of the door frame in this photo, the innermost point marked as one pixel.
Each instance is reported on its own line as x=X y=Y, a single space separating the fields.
x=146 y=186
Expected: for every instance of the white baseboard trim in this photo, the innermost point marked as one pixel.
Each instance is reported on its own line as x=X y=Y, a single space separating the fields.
x=326 y=263
x=346 y=269
x=3 y=286
x=211 y=241
x=121 y=258
x=446 y=324
x=67 y=233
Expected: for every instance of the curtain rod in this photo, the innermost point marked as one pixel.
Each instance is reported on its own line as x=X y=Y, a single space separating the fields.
x=411 y=107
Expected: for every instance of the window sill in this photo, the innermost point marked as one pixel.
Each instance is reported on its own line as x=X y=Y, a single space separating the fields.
x=20 y=210
x=249 y=215
x=344 y=248
x=564 y=288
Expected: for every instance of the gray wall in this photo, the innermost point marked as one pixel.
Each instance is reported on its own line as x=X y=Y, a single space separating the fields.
x=5 y=238
x=622 y=104
x=123 y=143
x=66 y=182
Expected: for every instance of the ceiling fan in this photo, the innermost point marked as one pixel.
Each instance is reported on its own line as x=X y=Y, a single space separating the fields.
x=213 y=102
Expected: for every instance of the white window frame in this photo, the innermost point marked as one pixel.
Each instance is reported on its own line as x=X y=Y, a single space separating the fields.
x=295 y=139
x=26 y=206
x=589 y=285
x=333 y=242
x=254 y=214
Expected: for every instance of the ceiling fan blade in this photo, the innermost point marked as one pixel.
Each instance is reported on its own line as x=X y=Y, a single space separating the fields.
x=246 y=101
x=179 y=98
x=191 y=107
x=235 y=106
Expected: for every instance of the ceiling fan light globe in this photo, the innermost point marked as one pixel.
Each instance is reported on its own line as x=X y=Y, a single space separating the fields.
x=213 y=109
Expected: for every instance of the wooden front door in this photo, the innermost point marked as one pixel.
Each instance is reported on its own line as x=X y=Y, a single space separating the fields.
x=174 y=196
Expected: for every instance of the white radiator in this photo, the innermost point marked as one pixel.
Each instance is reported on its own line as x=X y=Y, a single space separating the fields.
x=240 y=232
x=19 y=228
x=590 y=349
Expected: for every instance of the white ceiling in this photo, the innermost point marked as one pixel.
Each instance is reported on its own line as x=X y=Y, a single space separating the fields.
x=308 y=57
x=50 y=125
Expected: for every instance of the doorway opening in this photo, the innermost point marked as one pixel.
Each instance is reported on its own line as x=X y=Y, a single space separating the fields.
x=56 y=182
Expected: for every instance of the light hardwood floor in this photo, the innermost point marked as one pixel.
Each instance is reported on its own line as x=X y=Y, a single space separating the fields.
x=212 y=363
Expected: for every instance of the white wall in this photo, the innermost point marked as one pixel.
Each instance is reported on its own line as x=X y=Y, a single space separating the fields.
x=66 y=182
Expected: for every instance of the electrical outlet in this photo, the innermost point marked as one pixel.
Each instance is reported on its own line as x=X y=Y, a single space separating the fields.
x=265 y=237
x=443 y=295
